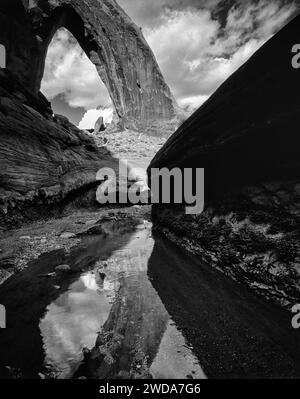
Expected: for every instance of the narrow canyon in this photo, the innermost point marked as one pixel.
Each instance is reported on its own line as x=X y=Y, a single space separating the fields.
x=138 y=290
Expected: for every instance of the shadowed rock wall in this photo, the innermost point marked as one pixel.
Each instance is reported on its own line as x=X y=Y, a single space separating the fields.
x=246 y=137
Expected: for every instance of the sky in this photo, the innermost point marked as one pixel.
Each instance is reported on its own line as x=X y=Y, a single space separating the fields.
x=197 y=43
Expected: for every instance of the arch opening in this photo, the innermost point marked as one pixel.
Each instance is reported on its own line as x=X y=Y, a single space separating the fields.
x=2 y=56
x=72 y=83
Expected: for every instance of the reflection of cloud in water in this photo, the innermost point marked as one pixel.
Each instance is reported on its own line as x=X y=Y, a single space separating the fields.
x=89 y=280
x=72 y=323
x=171 y=363
x=94 y=282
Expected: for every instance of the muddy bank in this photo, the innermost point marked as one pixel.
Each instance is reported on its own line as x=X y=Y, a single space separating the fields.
x=253 y=239
x=20 y=246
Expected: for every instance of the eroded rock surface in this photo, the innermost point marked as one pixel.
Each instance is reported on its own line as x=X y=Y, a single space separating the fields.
x=43 y=158
x=246 y=136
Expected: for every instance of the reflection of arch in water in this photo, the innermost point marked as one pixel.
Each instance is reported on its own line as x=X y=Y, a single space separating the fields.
x=2 y=56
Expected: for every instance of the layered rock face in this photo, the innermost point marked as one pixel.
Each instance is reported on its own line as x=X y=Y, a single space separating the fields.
x=246 y=136
x=110 y=39
x=44 y=159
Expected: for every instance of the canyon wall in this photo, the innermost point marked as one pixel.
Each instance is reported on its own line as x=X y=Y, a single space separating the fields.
x=44 y=159
x=246 y=137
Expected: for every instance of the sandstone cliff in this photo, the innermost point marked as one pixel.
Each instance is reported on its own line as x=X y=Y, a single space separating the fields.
x=43 y=158
x=246 y=136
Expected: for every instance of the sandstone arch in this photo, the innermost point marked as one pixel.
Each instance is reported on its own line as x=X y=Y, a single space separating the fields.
x=110 y=39
x=61 y=75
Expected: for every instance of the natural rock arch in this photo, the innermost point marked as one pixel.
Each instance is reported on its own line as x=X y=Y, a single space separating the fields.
x=83 y=75
x=110 y=39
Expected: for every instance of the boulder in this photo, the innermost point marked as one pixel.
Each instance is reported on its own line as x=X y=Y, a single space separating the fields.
x=99 y=125
x=68 y=235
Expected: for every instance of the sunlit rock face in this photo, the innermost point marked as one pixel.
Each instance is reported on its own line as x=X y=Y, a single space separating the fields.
x=110 y=39
x=246 y=137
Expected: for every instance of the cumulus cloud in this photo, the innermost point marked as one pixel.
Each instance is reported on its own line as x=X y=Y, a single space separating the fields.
x=69 y=72
x=197 y=51
x=150 y=14
x=189 y=104
x=91 y=116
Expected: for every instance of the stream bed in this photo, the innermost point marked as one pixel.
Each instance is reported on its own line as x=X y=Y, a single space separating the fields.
x=134 y=305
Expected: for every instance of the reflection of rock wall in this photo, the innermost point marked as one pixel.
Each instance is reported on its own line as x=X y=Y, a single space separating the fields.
x=110 y=39
x=246 y=136
x=131 y=336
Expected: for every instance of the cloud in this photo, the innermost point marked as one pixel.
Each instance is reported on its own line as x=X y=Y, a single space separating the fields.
x=150 y=14
x=197 y=51
x=189 y=104
x=90 y=117
x=68 y=71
